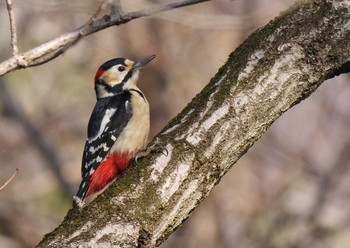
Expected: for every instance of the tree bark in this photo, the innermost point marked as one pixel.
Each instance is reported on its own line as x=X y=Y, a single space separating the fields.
x=274 y=69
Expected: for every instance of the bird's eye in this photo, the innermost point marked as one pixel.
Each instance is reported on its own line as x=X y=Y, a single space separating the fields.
x=121 y=68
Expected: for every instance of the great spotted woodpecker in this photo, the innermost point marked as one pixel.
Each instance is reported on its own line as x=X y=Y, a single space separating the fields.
x=118 y=127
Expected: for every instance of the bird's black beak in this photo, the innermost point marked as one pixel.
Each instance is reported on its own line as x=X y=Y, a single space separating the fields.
x=138 y=64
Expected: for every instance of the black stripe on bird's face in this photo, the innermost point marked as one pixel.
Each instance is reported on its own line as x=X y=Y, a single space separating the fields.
x=113 y=71
x=117 y=75
x=104 y=90
x=111 y=76
x=130 y=80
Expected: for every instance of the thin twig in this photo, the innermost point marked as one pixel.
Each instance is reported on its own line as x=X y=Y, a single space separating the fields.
x=116 y=7
x=53 y=48
x=165 y=7
x=92 y=19
x=10 y=179
x=12 y=28
x=102 y=7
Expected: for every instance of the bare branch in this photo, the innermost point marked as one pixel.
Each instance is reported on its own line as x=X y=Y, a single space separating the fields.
x=116 y=7
x=12 y=28
x=102 y=7
x=53 y=55
x=50 y=50
x=10 y=179
x=170 y=6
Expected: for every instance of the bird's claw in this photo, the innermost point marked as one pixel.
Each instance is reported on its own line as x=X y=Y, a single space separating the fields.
x=157 y=147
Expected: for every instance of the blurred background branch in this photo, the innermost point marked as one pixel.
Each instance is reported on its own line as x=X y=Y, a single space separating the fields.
x=10 y=179
x=12 y=27
x=46 y=149
x=52 y=49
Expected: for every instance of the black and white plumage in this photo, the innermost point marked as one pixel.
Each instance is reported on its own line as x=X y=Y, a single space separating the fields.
x=118 y=127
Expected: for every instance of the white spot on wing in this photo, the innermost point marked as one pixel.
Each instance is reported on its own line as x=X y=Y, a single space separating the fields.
x=99 y=159
x=93 y=149
x=105 y=120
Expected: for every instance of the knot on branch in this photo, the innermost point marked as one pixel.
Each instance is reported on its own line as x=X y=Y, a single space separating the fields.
x=21 y=61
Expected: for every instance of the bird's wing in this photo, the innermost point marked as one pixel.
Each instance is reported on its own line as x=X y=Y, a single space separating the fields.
x=108 y=119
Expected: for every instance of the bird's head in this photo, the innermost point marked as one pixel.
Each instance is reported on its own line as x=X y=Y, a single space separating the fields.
x=119 y=74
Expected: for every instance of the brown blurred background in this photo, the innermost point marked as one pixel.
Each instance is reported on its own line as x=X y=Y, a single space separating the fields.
x=292 y=188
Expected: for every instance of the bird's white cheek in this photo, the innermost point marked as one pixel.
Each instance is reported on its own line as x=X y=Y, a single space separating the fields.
x=132 y=82
x=113 y=76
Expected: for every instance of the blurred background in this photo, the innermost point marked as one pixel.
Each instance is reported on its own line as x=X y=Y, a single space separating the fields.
x=292 y=188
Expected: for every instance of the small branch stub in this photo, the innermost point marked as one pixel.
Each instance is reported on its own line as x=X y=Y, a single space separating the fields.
x=12 y=27
x=10 y=179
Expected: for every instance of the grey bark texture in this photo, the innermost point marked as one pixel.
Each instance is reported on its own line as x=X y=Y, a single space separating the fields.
x=275 y=68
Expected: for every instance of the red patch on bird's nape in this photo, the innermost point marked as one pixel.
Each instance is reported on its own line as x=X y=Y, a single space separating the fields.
x=108 y=170
x=99 y=74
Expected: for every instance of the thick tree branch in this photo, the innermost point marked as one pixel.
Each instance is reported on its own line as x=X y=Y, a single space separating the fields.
x=274 y=69
x=57 y=46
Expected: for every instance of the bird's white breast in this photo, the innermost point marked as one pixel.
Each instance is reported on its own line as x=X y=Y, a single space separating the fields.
x=134 y=136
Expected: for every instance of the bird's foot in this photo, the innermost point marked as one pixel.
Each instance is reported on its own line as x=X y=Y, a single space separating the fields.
x=157 y=147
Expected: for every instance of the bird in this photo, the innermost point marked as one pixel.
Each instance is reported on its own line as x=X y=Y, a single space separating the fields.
x=118 y=128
